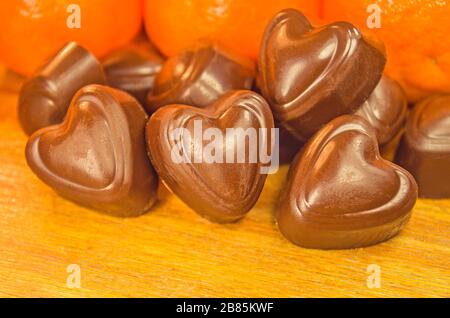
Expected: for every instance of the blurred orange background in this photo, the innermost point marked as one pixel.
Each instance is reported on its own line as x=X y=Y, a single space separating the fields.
x=413 y=31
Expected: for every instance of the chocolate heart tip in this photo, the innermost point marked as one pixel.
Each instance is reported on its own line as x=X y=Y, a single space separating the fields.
x=285 y=16
x=339 y=240
x=341 y=194
x=96 y=157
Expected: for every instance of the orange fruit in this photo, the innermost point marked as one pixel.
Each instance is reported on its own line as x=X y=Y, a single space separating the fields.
x=237 y=24
x=32 y=30
x=415 y=33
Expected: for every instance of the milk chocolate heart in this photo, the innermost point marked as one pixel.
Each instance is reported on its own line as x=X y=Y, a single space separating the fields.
x=200 y=75
x=133 y=69
x=97 y=156
x=221 y=188
x=311 y=75
x=45 y=97
x=425 y=147
x=386 y=110
x=341 y=194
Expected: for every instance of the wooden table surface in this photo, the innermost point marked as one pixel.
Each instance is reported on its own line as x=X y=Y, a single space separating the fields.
x=172 y=252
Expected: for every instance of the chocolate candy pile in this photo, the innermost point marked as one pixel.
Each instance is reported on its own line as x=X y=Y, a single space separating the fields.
x=104 y=133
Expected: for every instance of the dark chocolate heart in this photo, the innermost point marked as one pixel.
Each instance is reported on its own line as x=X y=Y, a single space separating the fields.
x=133 y=69
x=219 y=191
x=386 y=110
x=340 y=193
x=45 y=97
x=97 y=156
x=425 y=147
x=200 y=75
x=311 y=75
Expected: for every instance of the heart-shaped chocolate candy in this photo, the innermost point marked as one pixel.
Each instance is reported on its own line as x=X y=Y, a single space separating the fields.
x=386 y=110
x=97 y=156
x=133 y=69
x=200 y=75
x=340 y=193
x=311 y=75
x=219 y=189
x=425 y=147
x=45 y=97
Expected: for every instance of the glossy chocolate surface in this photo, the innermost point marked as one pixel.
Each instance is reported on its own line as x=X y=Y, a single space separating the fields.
x=221 y=192
x=341 y=194
x=133 y=69
x=386 y=110
x=425 y=146
x=97 y=156
x=199 y=76
x=45 y=97
x=311 y=75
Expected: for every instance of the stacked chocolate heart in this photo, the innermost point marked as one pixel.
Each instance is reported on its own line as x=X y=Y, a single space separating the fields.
x=211 y=140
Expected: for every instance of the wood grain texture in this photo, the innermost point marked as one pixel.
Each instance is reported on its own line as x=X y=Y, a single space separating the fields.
x=173 y=252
